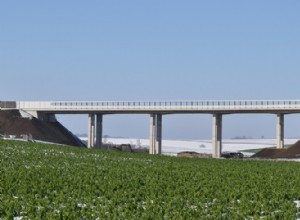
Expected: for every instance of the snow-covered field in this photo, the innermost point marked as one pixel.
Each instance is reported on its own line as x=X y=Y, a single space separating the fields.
x=172 y=147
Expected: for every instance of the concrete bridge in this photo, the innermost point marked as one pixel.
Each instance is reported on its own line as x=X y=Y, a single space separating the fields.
x=46 y=110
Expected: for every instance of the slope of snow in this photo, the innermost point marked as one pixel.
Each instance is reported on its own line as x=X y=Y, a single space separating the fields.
x=25 y=114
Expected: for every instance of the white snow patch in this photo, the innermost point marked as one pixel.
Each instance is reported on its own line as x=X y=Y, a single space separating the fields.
x=25 y=114
x=172 y=147
x=297 y=203
x=81 y=205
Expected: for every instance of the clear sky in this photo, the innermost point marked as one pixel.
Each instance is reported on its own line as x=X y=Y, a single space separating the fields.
x=154 y=50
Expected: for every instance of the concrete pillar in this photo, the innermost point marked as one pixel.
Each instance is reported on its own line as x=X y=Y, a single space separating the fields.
x=158 y=134
x=155 y=139
x=217 y=135
x=99 y=130
x=280 y=131
x=152 y=134
x=91 y=130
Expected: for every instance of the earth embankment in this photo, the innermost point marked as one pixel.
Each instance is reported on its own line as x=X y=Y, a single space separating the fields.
x=270 y=153
x=13 y=123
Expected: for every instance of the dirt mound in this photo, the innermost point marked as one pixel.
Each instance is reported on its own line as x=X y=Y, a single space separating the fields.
x=268 y=153
x=13 y=123
x=291 y=152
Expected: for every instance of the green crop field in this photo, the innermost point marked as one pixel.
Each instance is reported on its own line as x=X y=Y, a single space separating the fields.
x=39 y=181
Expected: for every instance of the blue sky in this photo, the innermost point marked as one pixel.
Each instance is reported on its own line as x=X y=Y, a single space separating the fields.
x=153 y=50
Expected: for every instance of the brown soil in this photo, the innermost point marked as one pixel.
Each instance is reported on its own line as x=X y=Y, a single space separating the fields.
x=267 y=153
x=291 y=152
x=11 y=123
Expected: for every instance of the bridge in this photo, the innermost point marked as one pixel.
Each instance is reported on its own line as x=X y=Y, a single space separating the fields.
x=46 y=110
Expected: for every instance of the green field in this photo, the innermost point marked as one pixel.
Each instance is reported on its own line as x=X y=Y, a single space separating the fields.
x=39 y=181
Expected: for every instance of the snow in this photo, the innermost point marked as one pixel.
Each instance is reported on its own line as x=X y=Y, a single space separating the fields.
x=13 y=138
x=25 y=114
x=81 y=205
x=297 y=203
x=172 y=147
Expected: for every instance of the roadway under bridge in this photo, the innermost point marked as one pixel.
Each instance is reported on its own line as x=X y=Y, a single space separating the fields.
x=46 y=110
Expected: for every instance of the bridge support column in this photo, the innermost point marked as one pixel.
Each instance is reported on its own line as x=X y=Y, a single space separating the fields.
x=158 y=134
x=99 y=130
x=152 y=134
x=217 y=135
x=91 y=131
x=155 y=134
x=280 y=131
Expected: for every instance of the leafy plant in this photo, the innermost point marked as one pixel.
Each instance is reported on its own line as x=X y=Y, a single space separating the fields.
x=40 y=181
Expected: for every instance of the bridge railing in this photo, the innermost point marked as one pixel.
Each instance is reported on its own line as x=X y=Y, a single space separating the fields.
x=140 y=105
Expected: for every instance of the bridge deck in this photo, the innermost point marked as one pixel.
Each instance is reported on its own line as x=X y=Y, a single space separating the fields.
x=225 y=106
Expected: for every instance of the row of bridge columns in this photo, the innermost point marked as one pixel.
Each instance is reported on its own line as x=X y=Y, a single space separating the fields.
x=155 y=139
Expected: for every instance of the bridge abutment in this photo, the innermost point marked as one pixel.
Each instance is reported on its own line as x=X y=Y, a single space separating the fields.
x=217 y=135
x=48 y=117
x=280 y=131
x=155 y=138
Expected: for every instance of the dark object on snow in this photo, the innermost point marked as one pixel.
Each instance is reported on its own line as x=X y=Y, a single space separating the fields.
x=192 y=154
x=124 y=148
x=235 y=155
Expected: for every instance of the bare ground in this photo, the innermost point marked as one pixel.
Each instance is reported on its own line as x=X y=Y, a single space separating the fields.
x=12 y=123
